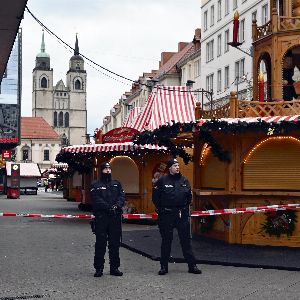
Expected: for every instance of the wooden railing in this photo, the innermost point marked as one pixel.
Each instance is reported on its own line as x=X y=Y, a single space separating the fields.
x=246 y=108
x=222 y=112
x=262 y=31
x=276 y=24
x=289 y=23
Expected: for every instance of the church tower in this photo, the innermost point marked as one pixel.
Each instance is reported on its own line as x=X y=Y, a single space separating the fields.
x=42 y=76
x=276 y=47
x=76 y=85
x=63 y=106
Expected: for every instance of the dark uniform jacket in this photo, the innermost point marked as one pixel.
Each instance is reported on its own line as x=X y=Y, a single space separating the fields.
x=171 y=191
x=107 y=194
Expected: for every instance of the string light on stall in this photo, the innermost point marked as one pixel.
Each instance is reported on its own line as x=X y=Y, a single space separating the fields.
x=267 y=140
x=204 y=153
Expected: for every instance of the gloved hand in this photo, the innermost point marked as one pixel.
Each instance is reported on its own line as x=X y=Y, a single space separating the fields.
x=115 y=209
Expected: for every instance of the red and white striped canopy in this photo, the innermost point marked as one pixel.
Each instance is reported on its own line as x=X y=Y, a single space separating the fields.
x=110 y=147
x=276 y=119
x=166 y=103
x=133 y=113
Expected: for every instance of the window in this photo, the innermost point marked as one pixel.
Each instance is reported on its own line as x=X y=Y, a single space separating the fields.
x=44 y=83
x=226 y=7
x=219 y=81
x=55 y=119
x=254 y=15
x=25 y=155
x=183 y=75
x=205 y=20
x=66 y=119
x=212 y=15
x=61 y=119
x=210 y=51
x=234 y=5
x=226 y=40
x=219 y=10
x=226 y=77
x=77 y=85
x=242 y=31
x=197 y=68
x=219 y=45
x=209 y=82
x=46 y=154
x=264 y=14
x=239 y=70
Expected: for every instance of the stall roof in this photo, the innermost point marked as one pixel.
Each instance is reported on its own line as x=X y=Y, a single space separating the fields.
x=110 y=147
x=134 y=112
x=26 y=169
x=164 y=105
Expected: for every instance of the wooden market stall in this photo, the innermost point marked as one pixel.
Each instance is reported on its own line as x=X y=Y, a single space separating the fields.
x=244 y=161
x=136 y=166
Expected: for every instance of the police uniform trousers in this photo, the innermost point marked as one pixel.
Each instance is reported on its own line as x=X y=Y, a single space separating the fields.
x=108 y=229
x=167 y=221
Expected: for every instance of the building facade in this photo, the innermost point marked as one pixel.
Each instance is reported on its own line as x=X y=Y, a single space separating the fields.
x=225 y=68
x=39 y=143
x=175 y=69
x=63 y=106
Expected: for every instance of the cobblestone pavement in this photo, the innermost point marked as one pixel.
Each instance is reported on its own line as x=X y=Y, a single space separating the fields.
x=52 y=259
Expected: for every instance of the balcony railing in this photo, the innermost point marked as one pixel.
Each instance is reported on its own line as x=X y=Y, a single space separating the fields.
x=245 y=108
x=276 y=24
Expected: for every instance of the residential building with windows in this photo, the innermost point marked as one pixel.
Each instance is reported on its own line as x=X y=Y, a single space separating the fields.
x=175 y=69
x=39 y=143
x=225 y=68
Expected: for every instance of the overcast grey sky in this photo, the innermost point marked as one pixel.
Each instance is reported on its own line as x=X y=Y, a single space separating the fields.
x=125 y=36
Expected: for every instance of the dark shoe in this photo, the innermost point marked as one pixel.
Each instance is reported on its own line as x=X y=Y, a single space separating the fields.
x=194 y=270
x=98 y=273
x=163 y=270
x=116 y=272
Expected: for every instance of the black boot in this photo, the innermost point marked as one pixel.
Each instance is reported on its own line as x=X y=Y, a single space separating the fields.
x=98 y=273
x=163 y=270
x=194 y=269
x=116 y=272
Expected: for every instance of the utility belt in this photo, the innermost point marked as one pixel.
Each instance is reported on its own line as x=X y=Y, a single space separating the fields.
x=180 y=211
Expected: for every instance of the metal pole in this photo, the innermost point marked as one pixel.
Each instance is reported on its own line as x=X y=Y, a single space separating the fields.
x=202 y=95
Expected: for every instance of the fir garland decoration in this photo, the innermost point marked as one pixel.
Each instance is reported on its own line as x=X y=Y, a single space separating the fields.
x=280 y=222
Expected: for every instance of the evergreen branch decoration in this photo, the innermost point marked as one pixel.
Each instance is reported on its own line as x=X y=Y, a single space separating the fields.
x=280 y=222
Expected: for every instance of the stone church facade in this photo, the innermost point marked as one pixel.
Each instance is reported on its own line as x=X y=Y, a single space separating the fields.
x=63 y=106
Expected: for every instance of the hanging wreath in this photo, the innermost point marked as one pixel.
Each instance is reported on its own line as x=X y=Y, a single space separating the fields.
x=280 y=222
x=207 y=222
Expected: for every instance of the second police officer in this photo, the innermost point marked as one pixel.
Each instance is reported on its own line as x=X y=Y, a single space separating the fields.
x=108 y=198
x=172 y=196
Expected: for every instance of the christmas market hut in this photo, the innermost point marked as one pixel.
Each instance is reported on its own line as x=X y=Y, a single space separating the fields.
x=136 y=166
x=242 y=162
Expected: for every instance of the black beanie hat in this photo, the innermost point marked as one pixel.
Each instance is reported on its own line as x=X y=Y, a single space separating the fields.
x=171 y=162
x=104 y=166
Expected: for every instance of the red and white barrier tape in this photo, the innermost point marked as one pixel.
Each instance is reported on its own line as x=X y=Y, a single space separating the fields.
x=200 y=213
x=57 y=216
x=244 y=210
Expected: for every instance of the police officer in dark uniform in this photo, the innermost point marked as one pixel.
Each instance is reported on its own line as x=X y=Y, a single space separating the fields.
x=108 y=198
x=172 y=196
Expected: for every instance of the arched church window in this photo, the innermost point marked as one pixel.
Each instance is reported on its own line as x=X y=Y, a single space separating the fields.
x=61 y=119
x=77 y=85
x=55 y=119
x=66 y=119
x=44 y=83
